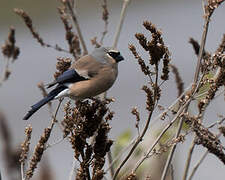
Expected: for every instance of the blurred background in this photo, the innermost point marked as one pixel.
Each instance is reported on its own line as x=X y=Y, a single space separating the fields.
x=178 y=19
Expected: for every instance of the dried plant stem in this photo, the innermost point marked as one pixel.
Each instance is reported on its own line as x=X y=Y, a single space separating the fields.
x=140 y=137
x=74 y=17
x=56 y=47
x=188 y=161
x=205 y=154
x=110 y=159
x=216 y=123
x=198 y=164
x=119 y=27
x=55 y=143
x=170 y=156
x=61 y=128
x=115 y=159
x=196 y=77
x=116 y=38
x=201 y=51
x=72 y=170
x=156 y=118
x=195 y=81
x=160 y=136
x=105 y=16
x=6 y=69
x=22 y=171
x=134 y=146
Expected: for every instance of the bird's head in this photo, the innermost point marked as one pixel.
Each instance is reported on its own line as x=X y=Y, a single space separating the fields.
x=103 y=53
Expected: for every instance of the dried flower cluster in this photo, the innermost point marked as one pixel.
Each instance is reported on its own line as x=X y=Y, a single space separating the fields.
x=80 y=123
x=9 y=49
x=72 y=39
x=222 y=130
x=11 y=155
x=141 y=62
x=29 y=24
x=25 y=146
x=221 y=47
x=217 y=64
x=62 y=65
x=149 y=101
x=212 y=5
x=38 y=152
x=135 y=112
x=131 y=177
x=205 y=137
x=178 y=79
x=156 y=49
x=11 y=52
x=206 y=62
x=95 y=43
x=105 y=12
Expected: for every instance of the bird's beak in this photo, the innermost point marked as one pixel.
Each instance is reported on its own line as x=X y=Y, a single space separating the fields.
x=119 y=58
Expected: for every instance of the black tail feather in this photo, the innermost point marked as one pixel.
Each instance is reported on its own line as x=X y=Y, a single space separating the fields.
x=37 y=106
x=44 y=101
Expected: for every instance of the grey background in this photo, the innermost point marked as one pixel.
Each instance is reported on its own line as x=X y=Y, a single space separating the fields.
x=178 y=19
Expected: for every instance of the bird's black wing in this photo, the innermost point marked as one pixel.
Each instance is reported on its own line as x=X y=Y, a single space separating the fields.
x=69 y=76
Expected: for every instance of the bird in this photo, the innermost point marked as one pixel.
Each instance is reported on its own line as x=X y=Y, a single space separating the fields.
x=87 y=77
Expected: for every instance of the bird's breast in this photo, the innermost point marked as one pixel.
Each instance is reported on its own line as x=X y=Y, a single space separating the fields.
x=94 y=86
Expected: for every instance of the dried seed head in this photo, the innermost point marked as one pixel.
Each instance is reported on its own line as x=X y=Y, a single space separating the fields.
x=179 y=81
x=62 y=65
x=72 y=39
x=29 y=24
x=38 y=152
x=9 y=49
x=144 y=67
x=142 y=40
x=149 y=101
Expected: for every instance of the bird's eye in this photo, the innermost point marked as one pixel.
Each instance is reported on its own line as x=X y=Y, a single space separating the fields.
x=114 y=54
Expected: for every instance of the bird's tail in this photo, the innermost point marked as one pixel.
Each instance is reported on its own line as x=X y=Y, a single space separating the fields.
x=44 y=101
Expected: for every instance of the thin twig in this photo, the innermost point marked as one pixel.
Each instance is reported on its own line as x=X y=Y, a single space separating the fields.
x=196 y=77
x=22 y=171
x=56 y=47
x=105 y=16
x=195 y=81
x=55 y=143
x=160 y=136
x=134 y=146
x=75 y=21
x=110 y=159
x=215 y=123
x=188 y=161
x=154 y=120
x=198 y=164
x=115 y=159
x=170 y=156
x=202 y=47
x=202 y=158
x=139 y=138
x=119 y=27
x=5 y=72
x=72 y=170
